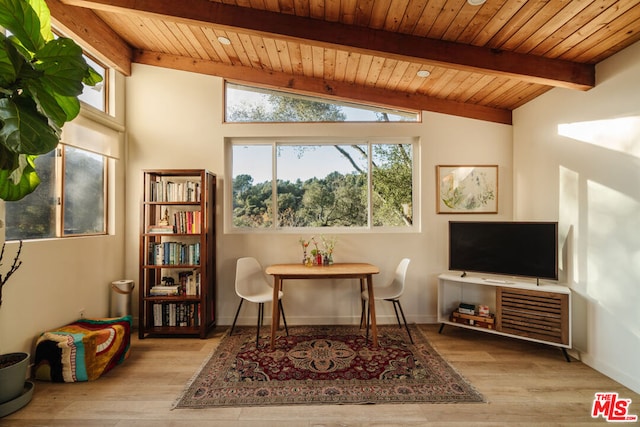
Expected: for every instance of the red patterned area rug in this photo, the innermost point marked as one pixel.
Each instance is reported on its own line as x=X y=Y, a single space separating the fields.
x=325 y=365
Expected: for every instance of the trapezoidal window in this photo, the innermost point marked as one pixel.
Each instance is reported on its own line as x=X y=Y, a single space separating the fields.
x=245 y=104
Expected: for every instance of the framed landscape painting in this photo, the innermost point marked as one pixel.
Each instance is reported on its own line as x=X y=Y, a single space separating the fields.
x=466 y=189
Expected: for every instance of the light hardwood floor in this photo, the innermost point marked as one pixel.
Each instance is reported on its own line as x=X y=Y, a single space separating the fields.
x=524 y=383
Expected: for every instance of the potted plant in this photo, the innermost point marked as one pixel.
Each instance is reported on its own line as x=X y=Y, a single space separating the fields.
x=41 y=77
x=13 y=366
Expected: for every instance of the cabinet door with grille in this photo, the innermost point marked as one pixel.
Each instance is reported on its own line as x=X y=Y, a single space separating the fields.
x=533 y=314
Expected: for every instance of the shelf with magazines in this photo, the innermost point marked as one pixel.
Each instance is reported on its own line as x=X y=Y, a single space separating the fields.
x=518 y=309
x=177 y=253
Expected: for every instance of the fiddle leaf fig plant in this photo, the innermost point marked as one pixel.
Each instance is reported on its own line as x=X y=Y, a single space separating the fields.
x=41 y=77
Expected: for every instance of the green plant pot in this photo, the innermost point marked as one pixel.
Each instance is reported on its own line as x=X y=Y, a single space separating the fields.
x=13 y=374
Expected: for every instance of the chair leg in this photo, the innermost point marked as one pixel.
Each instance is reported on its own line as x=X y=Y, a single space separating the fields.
x=260 y=313
x=405 y=321
x=395 y=309
x=368 y=322
x=284 y=320
x=362 y=303
x=236 y=318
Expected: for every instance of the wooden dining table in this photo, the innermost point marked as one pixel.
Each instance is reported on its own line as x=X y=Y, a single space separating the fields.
x=362 y=271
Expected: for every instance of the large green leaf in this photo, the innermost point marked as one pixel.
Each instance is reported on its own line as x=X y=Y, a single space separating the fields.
x=24 y=130
x=20 y=17
x=63 y=66
x=47 y=102
x=40 y=80
x=15 y=184
x=44 y=16
x=8 y=72
x=8 y=158
x=91 y=78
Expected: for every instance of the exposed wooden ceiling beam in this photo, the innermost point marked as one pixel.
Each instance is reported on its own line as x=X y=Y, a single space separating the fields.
x=325 y=88
x=91 y=32
x=404 y=47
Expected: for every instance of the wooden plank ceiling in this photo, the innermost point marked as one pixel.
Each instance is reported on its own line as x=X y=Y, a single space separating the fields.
x=484 y=61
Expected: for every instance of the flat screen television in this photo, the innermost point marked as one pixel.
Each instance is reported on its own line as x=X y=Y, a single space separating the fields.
x=525 y=249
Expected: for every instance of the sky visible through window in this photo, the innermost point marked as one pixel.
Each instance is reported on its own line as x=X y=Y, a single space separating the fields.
x=314 y=161
x=238 y=95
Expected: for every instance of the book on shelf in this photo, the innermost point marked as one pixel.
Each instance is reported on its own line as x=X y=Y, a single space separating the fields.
x=167 y=190
x=483 y=322
x=161 y=229
x=188 y=222
x=190 y=282
x=467 y=308
x=459 y=315
x=160 y=290
x=174 y=253
x=483 y=310
x=176 y=314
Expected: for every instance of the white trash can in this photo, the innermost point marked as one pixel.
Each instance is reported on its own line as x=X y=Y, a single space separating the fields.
x=121 y=291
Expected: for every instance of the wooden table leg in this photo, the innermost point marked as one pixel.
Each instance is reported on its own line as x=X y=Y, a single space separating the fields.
x=275 y=311
x=372 y=310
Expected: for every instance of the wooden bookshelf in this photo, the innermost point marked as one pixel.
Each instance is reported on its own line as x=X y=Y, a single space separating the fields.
x=177 y=253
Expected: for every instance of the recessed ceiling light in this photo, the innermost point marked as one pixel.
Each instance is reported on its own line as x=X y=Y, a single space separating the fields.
x=423 y=73
x=476 y=2
x=224 y=40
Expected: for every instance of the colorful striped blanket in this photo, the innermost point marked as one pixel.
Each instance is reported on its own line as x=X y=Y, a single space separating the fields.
x=82 y=350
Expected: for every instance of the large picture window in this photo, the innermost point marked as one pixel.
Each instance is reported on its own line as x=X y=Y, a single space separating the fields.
x=364 y=184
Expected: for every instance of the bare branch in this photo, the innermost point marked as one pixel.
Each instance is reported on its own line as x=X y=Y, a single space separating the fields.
x=14 y=267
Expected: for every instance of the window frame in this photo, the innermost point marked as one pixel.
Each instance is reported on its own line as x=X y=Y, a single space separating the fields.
x=95 y=131
x=106 y=86
x=58 y=197
x=61 y=194
x=353 y=105
x=230 y=142
x=106 y=110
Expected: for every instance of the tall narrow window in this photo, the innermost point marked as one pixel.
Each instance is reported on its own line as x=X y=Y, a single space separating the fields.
x=96 y=96
x=252 y=177
x=392 y=185
x=84 y=192
x=34 y=217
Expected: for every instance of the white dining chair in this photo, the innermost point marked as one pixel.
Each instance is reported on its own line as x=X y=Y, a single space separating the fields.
x=252 y=285
x=391 y=292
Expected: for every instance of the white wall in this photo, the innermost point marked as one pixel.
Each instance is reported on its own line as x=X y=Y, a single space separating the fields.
x=59 y=277
x=577 y=159
x=175 y=121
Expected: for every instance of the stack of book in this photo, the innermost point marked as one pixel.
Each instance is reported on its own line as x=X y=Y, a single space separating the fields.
x=466 y=308
x=466 y=314
x=162 y=229
x=164 y=290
